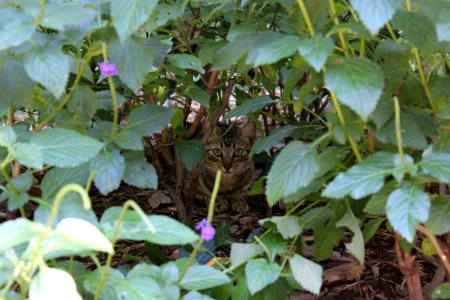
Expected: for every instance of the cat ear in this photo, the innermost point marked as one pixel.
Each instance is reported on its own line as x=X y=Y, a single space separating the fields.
x=248 y=131
x=205 y=125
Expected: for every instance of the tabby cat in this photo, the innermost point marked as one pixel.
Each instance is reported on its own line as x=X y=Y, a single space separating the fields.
x=228 y=149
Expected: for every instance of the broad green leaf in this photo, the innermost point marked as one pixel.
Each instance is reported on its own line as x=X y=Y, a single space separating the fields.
x=356 y=246
x=326 y=238
x=65 y=148
x=274 y=244
x=139 y=172
x=170 y=231
x=57 y=178
x=65 y=16
x=129 y=140
x=307 y=273
x=288 y=226
x=48 y=66
x=109 y=167
x=315 y=50
x=442 y=291
x=84 y=103
x=374 y=14
x=193 y=295
x=15 y=28
x=198 y=94
x=406 y=208
x=265 y=143
x=18 y=231
x=186 y=61
x=270 y=47
x=133 y=59
x=190 y=152
x=115 y=279
x=15 y=84
x=260 y=273
x=436 y=164
x=241 y=253
x=82 y=233
x=139 y=288
x=443 y=26
x=295 y=167
x=439 y=220
x=377 y=203
x=29 y=155
x=362 y=179
x=249 y=105
x=105 y=99
x=358 y=83
x=370 y=228
x=129 y=15
x=233 y=51
x=53 y=284
x=203 y=277
x=7 y=136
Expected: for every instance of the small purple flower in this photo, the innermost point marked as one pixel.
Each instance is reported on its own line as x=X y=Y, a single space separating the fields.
x=108 y=69
x=207 y=230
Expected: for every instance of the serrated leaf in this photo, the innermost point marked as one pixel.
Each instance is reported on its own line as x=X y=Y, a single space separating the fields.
x=57 y=178
x=186 y=61
x=18 y=231
x=358 y=83
x=42 y=286
x=109 y=167
x=241 y=253
x=249 y=105
x=265 y=143
x=15 y=28
x=377 y=203
x=295 y=167
x=65 y=148
x=260 y=273
x=406 y=208
x=442 y=291
x=198 y=94
x=84 y=103
x=7 y=136
x=370 y=228
x=362 y=179
x=15 y=84
x=439 y=220
x=29 y=155
x=190 y=152
x=436 y=164
x=356 y=246
x=315 y=50
x=133 y=59
x=139 y=172
x=374 y=14
x=129 y=15
x=307 y=273
x=203 y=277
x=65 y=16
x=288 y=226
x=49 y=67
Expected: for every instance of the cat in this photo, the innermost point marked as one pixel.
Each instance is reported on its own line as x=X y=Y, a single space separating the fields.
x=228 y=149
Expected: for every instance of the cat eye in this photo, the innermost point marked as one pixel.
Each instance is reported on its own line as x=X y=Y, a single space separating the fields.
x=238 y=152
x=217 y=151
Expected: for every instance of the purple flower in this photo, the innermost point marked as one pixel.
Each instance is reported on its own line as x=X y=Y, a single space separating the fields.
x=107 y=69
x=207 y=230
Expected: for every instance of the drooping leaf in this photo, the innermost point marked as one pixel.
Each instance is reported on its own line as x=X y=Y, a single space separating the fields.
x=249 y=105
x=139 y=172
x=42 y=286
x=260 y=273
x=307 y=273
x=265 y=143
x=377 y=203
x=109 y=167
x=203 y=277
x=375 y=14
x=436 y=164
x=439 y=221
x=295 y=167
x=288 y=226
x=241 y=253
x=407 y=206
x=442 y=291
x=15 y=28
x=370 y=228
x=191 y=152
x=315 y=50
x=186 y=61
x=356 y=246
x=84 y=103
x=358 y=83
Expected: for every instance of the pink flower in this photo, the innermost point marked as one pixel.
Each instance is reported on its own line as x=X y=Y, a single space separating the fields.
x=207 y=230
x=107 y=69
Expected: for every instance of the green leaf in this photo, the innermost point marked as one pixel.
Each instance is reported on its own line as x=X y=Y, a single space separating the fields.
x=307 y=273
x=436 y=164
x=133 y=59
x=15 y=28
x=42 y=286
x=65 y=16
x=442 y=291
x=358 y=83
x=370 y=228
x=57 y=178
x=374 y=14
x=128 y=16
x=84 y=103
x=7 y=136
x=233 y=51
x=362 y=179
x=193 y=295
x=248 y=106
x=198 y=94
x=443 y=26
x=65 y=148
x=260 y=273
x=295 y=167
x=82 y=233
x=49 y=67
x=109 y=167
x=240 y=253
x=29 y=155
x=139 y=172
x=315 y=50
x=356 y=246
x=265 y=143
x=377 y=203
x=439 y=221
x=191 y=152
x=270 y=47
x=186 y=61
x=18 y=231
x=406 y=208
x=15 y=84
x=288 y=226
x=203 y=277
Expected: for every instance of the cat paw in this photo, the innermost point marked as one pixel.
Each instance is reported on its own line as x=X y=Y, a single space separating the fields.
x=239 y=205
x=222 y=205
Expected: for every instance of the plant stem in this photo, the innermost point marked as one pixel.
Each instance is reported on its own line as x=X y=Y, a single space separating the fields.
x=336 y=22
x=113 y=96
x=423 y=80
x=305 y=14
x=398 y=129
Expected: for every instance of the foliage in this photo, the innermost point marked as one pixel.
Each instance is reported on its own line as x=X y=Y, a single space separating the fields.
x=357 y=92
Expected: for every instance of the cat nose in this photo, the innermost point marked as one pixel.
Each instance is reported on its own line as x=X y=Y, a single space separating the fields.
x=227 y=168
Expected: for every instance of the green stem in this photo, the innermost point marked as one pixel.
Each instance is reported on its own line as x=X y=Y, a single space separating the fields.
x=423 y=80
x=41 y=12
x=391 y=32
x=113 y=96
x=305 y=14
x=336 y=22
x=398 y=128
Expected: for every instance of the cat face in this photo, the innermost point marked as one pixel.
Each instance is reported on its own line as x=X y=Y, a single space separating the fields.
x=228 y=149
